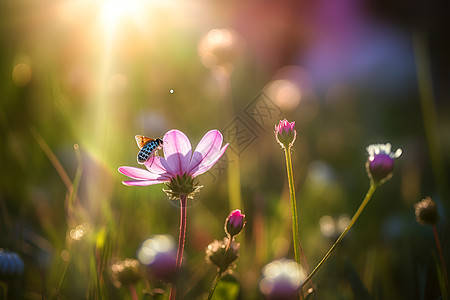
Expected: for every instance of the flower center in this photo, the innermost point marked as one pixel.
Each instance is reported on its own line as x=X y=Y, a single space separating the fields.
x=182 y=185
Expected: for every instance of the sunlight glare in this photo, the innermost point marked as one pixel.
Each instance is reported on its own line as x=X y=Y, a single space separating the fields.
x=112 y=11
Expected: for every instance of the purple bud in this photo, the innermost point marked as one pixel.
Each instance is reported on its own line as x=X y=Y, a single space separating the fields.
x=380 y=163
x=234 y=223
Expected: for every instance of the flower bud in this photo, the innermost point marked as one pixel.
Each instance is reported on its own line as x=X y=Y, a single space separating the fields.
x=380 y=164
x=281 y=279
x=11 y=264
x=159 y=254
x=218 y=254
x=426 y=212
x=285 y=133
x=125 y=272
x=234 y=223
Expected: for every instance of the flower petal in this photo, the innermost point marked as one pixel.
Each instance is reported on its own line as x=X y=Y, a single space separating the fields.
x=208 y=146
x=207 y=164
x=153 y=164
x=177 y=152
x=138 y=173
x=142 y=182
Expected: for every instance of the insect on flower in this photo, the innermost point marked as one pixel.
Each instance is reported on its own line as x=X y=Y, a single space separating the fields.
x=148 y=147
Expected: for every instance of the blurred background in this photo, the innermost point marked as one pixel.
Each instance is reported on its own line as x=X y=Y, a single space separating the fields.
x=80 y=78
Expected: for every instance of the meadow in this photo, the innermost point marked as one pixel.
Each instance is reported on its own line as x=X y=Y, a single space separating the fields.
x=80 y=79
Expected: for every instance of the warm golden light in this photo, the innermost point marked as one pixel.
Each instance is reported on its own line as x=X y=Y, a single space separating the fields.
x=219 y=48
x=286 y=93
x=78 y=232
x=113 y=11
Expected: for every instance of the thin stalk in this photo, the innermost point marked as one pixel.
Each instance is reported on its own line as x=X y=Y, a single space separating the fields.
x=181 y=240
x=63 y=275
x=290 y=173
x=133 y=292
x=214 y=285
x=361 y=207
x=441 y=256
x=221 y=269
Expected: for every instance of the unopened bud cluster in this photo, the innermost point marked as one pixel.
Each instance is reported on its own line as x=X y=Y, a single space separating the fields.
x=125 y=272
x=426 y=212
x=219 y=254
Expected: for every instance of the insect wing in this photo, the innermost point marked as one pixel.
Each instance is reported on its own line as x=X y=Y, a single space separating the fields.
x=142 y=140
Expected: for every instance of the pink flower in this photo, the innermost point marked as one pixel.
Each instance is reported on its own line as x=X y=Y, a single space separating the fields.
x=179 y=166
x=285 y=133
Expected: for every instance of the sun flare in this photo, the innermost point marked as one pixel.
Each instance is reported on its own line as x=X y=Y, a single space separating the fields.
x=114 y=11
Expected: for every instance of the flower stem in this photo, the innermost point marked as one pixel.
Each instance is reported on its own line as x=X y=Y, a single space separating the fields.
x=214 y=285
x=361 y=207
x=133 y=292
x=441 y=256
x=221 y=269
x=290 y=173
x=182 y=237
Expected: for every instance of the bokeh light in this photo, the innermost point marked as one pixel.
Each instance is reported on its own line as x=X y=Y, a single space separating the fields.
x=281 y=279
x=78 y=232
x=220 y=48
x=153 y=246
x=21 y=74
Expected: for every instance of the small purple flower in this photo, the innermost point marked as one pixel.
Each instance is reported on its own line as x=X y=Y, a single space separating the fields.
x=179 y=166
x=234 y=223
x=380 y=163
x=281 y=280
x=158 y=253
x=285 y=133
